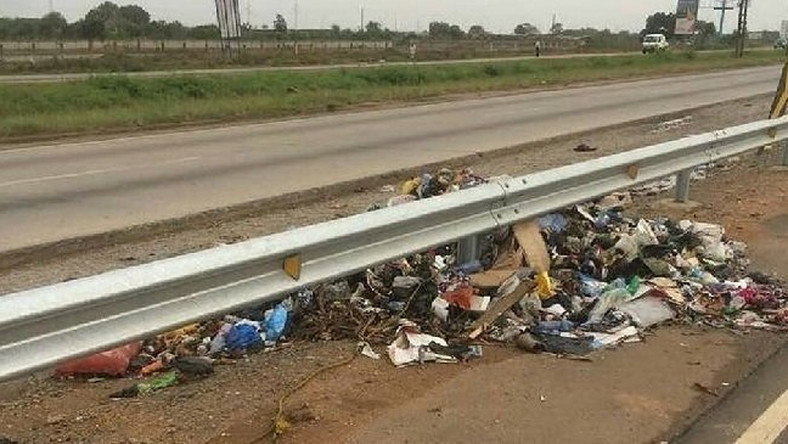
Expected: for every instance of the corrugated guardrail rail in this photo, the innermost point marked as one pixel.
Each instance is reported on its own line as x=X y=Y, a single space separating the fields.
x=44 y=326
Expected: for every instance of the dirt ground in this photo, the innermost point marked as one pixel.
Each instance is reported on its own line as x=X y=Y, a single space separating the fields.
x=636 y=393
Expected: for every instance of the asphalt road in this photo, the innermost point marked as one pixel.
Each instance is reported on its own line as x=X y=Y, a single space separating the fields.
x=73 y=77
x=756 y=412
x=53 y=192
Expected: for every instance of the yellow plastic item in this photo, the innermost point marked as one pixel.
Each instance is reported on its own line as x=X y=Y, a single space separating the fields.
x=544 y=286
x=410 y=186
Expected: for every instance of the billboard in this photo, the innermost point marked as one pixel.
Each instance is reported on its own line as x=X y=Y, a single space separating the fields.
x=229 y=16
x=686 y=17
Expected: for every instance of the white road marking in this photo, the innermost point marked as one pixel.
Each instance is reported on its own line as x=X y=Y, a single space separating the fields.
x=767 y=428
x=59 y=177
x=92 y=172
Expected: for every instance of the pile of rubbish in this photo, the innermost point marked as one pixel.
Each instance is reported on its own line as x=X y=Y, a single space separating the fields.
x=568 y=283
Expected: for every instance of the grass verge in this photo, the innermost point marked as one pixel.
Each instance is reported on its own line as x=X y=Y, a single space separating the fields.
x=123 y=103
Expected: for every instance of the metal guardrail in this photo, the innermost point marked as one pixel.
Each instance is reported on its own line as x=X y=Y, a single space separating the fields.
x=45 y=326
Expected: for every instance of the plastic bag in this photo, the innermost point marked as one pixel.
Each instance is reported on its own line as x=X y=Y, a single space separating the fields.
x=114 y=362
x=553 y=223
x=608 y=301
x=275 y=323
x=242 y=336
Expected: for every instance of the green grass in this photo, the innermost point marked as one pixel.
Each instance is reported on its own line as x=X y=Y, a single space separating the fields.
x=122 y=103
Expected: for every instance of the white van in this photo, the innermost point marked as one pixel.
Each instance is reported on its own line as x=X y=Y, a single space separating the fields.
x=655 y=43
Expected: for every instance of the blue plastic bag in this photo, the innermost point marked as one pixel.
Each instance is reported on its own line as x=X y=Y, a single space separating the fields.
x=275 y=323
x=553 y=223
x=242 y=336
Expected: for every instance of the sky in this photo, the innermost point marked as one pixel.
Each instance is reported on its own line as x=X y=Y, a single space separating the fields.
x=494 y=15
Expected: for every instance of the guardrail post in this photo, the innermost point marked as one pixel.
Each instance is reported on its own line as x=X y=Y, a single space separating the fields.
x=468 y=249
x=683 y=180
x=785 y=154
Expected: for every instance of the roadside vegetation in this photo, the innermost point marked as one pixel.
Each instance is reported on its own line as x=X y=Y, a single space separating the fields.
x=121 y=103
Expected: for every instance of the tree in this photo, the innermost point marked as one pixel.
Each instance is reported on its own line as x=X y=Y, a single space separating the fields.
x=660 y=23
x=52 y=25
x=476 y=32
x=204 y=32
x=706 y=29
x=439 y=30
x=134 y=14
x=374 y=28
x=443 y=30
x=557 y=28
x=280 y=24
x=160 y=29
x=113 y=21
x=526 y=29
x=108 y=14
x=92 y=28
x=455 y=32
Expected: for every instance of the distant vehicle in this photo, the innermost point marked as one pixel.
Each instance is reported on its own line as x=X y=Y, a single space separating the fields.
x=780 y=44
x=655 y=43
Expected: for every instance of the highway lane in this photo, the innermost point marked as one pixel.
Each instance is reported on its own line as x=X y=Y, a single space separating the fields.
x=53 y=192
x=756 y=412
x=74 y=77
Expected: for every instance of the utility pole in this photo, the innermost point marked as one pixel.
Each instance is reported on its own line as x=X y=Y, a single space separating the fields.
x=362 y=19
x=249 y=12
x=295 y=14
x=723 y=8
x=552 y=26
x=51 y=6
x=744 y=6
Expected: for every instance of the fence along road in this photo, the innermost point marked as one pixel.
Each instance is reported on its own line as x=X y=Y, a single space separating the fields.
x=39 y=328
x=53 y=192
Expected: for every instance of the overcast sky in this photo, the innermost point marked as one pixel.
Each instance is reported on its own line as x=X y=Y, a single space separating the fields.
x=494 y=15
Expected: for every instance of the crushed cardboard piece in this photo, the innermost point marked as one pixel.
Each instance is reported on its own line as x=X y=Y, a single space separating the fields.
x=492 y=279
x=500 y=306
x=531 y=241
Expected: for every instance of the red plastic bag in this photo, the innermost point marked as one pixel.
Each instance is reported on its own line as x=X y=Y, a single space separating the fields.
x=114 y=362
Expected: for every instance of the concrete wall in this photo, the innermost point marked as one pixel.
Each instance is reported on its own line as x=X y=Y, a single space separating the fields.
x=50 y=47
x=15 y=48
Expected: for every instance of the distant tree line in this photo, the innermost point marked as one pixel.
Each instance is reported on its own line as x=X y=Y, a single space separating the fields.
x=108 y=21
x=104 y=22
